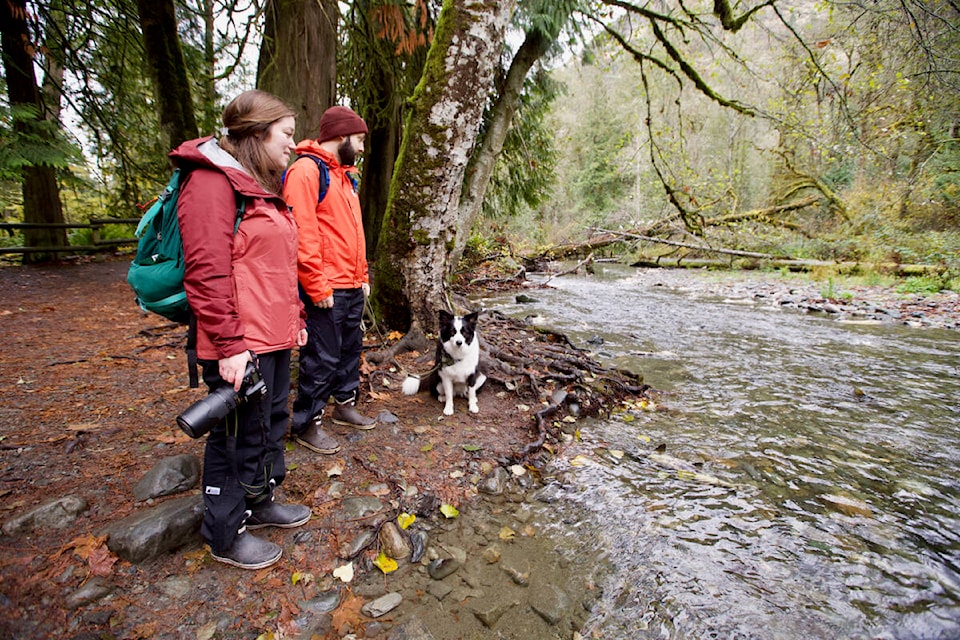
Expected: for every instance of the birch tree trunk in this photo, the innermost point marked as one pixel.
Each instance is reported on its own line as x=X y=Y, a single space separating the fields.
x=421 y=221
x=501 y=117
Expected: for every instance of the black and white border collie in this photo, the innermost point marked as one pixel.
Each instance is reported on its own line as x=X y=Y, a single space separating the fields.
x=457 y=363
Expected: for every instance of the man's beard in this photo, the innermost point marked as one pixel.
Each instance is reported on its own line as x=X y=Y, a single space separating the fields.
x=348 y=157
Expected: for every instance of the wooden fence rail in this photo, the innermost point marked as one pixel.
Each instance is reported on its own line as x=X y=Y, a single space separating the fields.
x=95 y=224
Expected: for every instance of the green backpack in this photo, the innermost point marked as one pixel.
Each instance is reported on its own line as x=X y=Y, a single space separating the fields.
x=156 y=273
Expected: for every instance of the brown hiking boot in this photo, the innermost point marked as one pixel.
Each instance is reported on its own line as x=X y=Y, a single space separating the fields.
x=316 y=439
x=347 y=415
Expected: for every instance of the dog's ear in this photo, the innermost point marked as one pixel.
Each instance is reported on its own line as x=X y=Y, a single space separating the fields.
x=445 y=317
x=471 y=318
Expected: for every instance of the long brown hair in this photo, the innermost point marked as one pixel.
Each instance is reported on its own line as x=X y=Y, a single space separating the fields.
x=246 y=121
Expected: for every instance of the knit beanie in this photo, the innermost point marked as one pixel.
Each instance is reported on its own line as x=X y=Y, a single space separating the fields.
x=340 y=121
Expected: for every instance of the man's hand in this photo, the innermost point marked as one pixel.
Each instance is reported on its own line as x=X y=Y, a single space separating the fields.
x=366 y=289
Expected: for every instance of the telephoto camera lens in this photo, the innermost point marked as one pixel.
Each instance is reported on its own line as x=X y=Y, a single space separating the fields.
x=202 y=415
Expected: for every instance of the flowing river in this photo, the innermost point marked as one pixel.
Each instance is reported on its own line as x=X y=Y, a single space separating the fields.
x=810 y=485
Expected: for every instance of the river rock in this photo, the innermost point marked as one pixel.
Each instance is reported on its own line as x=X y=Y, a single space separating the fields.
x=352 y=547
x=550 y=602
x=439 y=589
x=169 y=476
x=494 y=483
x=392 y=542
x=359 y=507
x=94 y=589
x=145 y=535
x=323 y=603
x=411 y=630
x=442 y=567
x=489 y=615
x=382 y=605
x=58 y=513
x=847 y=505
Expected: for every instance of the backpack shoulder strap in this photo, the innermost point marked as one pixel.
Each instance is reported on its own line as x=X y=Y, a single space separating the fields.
x=324 y=175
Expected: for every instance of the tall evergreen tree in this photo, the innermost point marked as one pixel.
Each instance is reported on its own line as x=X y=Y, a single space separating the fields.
x=41 y=192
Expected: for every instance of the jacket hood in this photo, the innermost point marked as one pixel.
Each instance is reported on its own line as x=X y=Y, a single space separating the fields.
x=206 y=152
x=312 y=147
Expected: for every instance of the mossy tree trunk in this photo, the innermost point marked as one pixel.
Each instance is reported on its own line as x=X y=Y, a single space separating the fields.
x=439 y=137
x=298 y=58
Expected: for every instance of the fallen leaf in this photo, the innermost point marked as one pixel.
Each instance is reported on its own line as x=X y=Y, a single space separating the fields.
x=518 y=470
x=472 y=447
x=449 y=510
x=506 y=533
x=405 y=520
x=344 y=573
x=335 y=470
x=385 y=563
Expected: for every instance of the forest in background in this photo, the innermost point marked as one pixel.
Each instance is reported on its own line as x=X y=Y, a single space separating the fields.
x=808 y=130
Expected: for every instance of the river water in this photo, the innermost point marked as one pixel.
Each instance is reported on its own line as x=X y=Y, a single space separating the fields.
x=810 y=484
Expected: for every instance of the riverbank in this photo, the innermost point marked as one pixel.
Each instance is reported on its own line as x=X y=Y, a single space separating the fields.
x=91 y=386
x=844 y=299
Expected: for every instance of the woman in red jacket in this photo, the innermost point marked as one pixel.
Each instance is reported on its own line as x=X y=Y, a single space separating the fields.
x=241 y=283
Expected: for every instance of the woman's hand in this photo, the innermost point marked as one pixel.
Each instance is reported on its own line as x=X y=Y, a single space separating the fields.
x=301 y=337
x=233 y=368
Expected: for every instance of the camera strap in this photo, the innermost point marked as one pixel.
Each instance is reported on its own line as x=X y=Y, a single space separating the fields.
x=191 y=350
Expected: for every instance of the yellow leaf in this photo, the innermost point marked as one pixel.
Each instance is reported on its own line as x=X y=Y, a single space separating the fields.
x=507 y=533
x=426 y=447
x=295 y=578
x=644 y=438
x=449 y=510
x=385 y=563
x=405 y=520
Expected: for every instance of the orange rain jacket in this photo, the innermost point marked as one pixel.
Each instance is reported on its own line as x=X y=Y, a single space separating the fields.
x=332 y=250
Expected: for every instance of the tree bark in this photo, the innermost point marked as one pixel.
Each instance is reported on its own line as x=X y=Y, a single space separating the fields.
x=298 y=58
x=161 y=41
x=41 y=192
x=534 y=46
x=441 y=131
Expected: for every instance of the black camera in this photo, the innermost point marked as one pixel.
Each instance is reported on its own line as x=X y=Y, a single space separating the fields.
x=204 y=414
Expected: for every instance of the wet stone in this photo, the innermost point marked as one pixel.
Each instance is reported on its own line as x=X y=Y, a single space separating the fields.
x=359 y=507
x=53 y=514
x=382 y=605
x=355 y=546
x=550 y=603
x=171 y=475
x=442 y=567
x=439 y=589
x=411 y=630
x=323 y=603
x=393 y=543
x=489 y=616
x=96 y=588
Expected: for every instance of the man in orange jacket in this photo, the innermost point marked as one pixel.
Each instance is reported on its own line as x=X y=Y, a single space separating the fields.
x=332 y=270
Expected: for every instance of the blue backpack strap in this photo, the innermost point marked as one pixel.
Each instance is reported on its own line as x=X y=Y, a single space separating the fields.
x=324 y=175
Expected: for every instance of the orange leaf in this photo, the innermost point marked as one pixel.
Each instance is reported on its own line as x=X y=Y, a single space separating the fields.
x=348 y=612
